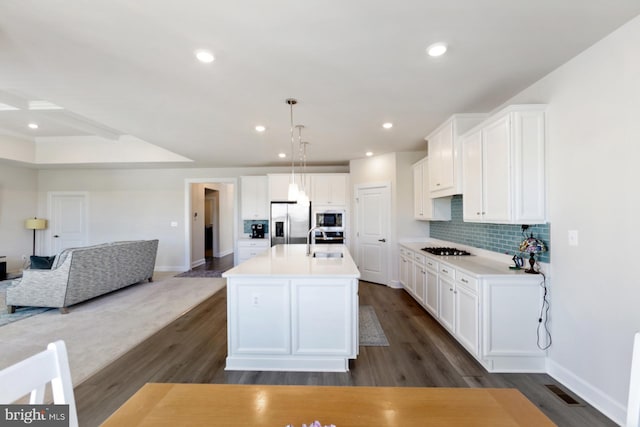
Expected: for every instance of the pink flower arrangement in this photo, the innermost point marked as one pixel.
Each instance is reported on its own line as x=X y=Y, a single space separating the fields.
x=314 y=424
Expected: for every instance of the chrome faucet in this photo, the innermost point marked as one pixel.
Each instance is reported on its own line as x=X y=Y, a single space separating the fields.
x=309 y=239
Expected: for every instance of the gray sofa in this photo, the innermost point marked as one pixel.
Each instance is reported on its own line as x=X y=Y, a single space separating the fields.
x=79 y=274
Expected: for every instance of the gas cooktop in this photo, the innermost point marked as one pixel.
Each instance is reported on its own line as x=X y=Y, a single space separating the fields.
x=445 y=251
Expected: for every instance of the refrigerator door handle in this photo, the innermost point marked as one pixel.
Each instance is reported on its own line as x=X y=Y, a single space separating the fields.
x=288 y=229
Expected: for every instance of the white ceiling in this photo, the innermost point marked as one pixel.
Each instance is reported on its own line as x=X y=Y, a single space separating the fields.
x=122 y=67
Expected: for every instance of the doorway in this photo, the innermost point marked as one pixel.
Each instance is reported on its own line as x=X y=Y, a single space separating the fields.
x=211 y=223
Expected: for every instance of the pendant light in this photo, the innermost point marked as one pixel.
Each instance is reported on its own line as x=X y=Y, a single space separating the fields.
x=293 y=187
x=303 y=199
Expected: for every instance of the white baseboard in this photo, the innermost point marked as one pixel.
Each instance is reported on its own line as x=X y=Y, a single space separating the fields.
x=224 y=253
x=395 y=284
x=594 y=396
x=198 y=262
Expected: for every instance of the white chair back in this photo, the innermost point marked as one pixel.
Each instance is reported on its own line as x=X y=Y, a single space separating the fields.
x=31 y=376
x=633 y=406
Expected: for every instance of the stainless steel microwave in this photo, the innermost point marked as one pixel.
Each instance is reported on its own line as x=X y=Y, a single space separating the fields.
x=333 y=219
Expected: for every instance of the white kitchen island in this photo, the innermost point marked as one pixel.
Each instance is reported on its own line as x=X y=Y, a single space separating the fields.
x=287 y=311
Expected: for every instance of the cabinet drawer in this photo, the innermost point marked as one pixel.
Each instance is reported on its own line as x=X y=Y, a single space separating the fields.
x=471 y=283
x=259 y=243
x=403 y=252
x=448 y=271
x=431 y=264
x=419 y=258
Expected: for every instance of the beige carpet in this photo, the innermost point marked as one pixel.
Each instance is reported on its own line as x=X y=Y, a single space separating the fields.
x=99 y=331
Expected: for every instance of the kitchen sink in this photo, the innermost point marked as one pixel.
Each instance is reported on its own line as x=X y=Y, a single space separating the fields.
x=328 y=254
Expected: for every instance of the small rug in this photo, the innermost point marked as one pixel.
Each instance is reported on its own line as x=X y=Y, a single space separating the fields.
x=20 y=313
x=200 y=273
x=371 y=333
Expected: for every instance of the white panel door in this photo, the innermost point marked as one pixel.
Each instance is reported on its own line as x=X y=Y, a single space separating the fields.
x=68 y=224
x=373 y=211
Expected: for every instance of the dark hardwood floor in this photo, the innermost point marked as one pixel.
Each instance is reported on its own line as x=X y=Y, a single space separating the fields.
x=221 y=264
x=192 y=349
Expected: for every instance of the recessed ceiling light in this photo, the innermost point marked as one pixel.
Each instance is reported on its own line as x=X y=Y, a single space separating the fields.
x=260 y=128
x=33 y=125
x=387 y=125
x=437 y=49
x=282 y=155
x=204 y=56
x=369 y=153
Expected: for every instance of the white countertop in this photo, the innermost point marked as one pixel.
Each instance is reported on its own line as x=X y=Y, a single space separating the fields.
x=471 y=264
x=292 y=261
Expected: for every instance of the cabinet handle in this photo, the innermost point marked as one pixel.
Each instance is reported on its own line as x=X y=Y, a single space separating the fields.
x=451 y=289
x=483 y=213
x=464 y=281
x=438 y=185
x=445 y=271
x=477 y=213
x=455 y=292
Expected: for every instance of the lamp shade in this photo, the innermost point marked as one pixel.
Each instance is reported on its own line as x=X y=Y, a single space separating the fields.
x=35 y=224
x=532 y=245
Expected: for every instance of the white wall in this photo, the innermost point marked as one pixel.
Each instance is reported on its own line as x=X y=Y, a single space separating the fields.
x=18 y=201
x=394 y=168
x=593 y=154
x=225 y=203
x=127 y=204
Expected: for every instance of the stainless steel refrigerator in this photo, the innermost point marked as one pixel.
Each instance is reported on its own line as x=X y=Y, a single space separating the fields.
x=290 y=223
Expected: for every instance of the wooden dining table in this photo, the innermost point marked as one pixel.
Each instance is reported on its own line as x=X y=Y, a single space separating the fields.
x=173 y=405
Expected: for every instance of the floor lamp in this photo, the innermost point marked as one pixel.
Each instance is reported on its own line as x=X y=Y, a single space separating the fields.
x=35 y=224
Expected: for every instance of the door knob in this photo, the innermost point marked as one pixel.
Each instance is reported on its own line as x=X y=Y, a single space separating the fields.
x=56 y=236
x=382 y=240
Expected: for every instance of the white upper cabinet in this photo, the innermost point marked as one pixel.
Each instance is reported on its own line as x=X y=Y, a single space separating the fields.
x=329 y=189
x=503 y=168
x=445 y=156
x=254 y=203
x=424 y=207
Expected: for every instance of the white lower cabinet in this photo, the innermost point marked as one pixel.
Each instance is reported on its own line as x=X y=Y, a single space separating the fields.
x=406 y=271
x=431 y=298
x=467 y=316
x=492 y=315
x=419 y=278
x=249 y=248
x=447 y=302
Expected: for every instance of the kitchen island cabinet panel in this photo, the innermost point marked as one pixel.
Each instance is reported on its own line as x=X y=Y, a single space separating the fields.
x=288 y=311
x=321 y=317
x=261 y=311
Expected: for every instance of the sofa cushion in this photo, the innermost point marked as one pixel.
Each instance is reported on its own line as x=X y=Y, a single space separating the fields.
x=41 y=262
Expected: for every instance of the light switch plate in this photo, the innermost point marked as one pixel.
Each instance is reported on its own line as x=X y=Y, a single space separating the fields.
x=573 y=237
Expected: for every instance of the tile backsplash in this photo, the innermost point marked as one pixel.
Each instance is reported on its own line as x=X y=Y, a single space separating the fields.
x=247 y=225
x=492 y=237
